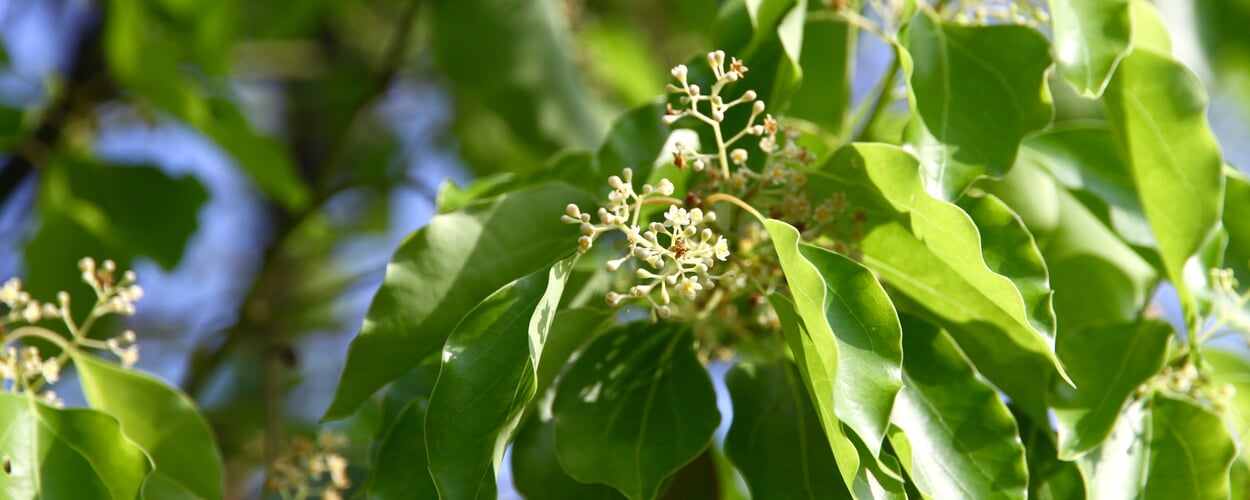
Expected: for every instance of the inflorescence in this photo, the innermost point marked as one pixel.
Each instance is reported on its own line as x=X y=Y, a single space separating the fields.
x=24 y=369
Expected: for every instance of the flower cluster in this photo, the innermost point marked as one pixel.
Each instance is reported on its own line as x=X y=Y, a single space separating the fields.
x=308 y=469
x=1001 y=12
x=692 y=95
x=25 y=368
x=680 y=250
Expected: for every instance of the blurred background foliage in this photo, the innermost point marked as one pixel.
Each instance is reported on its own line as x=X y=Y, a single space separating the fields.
x=257 y=162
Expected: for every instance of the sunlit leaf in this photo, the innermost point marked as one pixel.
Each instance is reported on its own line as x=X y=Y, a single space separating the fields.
x=50 y=453
x=1158 y=114
x=162 y=421
x=1090 y=39
x=1107 y=364
x=978 y=90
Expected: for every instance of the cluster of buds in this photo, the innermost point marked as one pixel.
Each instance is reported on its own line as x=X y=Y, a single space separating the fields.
x=692 y=95
x=989 y=12
x=21 y=307
x=24 y=369
x=307 y=469
x=25 y=366
x=680 y=250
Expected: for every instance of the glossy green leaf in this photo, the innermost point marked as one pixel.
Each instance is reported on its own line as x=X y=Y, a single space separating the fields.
x=1108 y=364
x=488 y=375
x=1150 y=30
x=1096 y=277
x=54 y=454
x=1233 y=369
x=1090 y=39
x=850 y=319
x=776 y=439
x=162 y=421
x=634 y=408
x=569 y=330
x=442 y=271
x=1190 y=452
x=1158 y=114
x=400 y=467
x=963 y=438
x=1237 y=222
x=861 y=472
x=977 y=91
x=514 y=57
x=537 y=472
x=931 y=252
x=1115 y=470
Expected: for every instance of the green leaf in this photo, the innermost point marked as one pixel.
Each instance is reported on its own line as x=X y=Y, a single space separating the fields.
x=1237 y=222
x=1096 y=277
x=634 y=408
x=851 y=321
x=537 y=472
x=52 y=454
x=161 y=420
x=1049 y=477
x=963 y=438
x=776 y=439
x=442 y=271
x=514 y=57
x=977 y=91
x=1090 y=39
x=400 y=467
x=1116 y=469
x=1190 y=452
x=570 y=329
x=861 y=472
x=930 y=252
x=1150 y=30
x=1108 y=364
x=1158 y=114
x=488 y=375
x=824 y=97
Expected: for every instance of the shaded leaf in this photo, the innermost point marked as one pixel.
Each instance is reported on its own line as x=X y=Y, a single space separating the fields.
x=400 y=467
x=977 y=91
x=634 y=408
x=963 y=438
x=1049 y=477
x=52 y=454
x=537 y=472
x=824 y=97
x=1108 y=364
x=1090 y=39
x=1158 y=114
x=488 y=375
x=162 y=421
x=776 y=439
x=442 y=271
x=1190 y=452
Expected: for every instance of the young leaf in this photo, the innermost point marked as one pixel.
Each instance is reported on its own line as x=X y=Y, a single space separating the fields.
x=1090 y=39
x=776 y=439
x=1157 y=109
x=65 y=454
x=852 y=321
x=962 y=437
x=488 y=375
x=931 y=252
x=634 y=408
x=1107 y=364
x=445 y=269
x=977 y=91
x=163 y=421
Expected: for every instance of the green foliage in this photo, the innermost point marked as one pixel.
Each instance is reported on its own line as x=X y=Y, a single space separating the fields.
x=947 y=288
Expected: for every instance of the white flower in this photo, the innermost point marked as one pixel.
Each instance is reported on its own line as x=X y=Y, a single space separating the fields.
x=738 y=156
x=689 y=287
x=721 y=248
x=665 y=187
x=677 y=216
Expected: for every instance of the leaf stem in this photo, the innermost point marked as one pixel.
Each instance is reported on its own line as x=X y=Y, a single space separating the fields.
x=883 y=90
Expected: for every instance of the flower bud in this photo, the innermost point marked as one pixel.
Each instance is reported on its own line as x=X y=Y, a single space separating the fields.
x=749 y=95
x=758 y=107
x=679 y=72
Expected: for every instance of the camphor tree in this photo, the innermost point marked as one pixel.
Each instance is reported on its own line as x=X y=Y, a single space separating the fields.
x=949 y=290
